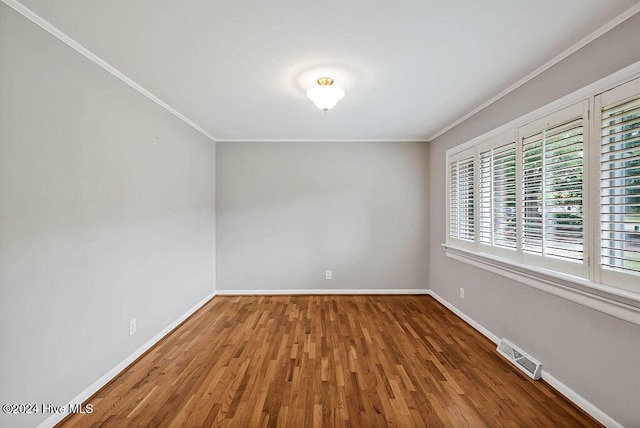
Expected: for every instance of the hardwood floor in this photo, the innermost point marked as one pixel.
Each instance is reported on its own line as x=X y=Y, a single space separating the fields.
x=302 y=361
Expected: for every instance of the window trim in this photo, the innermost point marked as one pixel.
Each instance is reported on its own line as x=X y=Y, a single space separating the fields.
x=618 y=302
x=605 y=84
x=610 y=300
x=601 y=100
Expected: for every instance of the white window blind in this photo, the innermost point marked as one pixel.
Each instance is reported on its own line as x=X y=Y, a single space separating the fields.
x=461 y=199
x=552 y=196
x=556 y=194
x=497 y=197
x=620 y=186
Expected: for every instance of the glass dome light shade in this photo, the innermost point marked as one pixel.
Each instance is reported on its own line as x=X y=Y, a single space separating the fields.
x=324 y=96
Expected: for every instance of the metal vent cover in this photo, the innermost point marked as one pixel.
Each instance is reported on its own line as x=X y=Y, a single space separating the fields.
x=520 y=359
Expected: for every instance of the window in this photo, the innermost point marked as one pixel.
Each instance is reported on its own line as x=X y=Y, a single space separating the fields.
x=530 y=194
x=620 y=184
x=552 y=199
x=523 y=195
x=553 y=190
x=497 y=193
x=461 y=197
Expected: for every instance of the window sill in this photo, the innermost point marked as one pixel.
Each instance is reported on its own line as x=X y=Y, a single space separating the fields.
x=618 y=303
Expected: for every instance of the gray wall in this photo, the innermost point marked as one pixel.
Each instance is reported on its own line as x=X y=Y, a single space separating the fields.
x=107 y=213
x=286 y=212
x=594 y=354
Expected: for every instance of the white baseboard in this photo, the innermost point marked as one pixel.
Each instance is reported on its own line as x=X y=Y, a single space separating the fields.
x=495 y=339
x=562 y=388
x=320 y=291
x=93 y=388
x=580 y=401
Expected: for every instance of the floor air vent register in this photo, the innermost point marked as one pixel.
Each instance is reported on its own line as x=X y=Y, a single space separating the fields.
x=520 y=359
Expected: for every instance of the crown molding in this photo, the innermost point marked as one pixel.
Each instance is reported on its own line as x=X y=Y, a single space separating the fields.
x=51 y=29
x=582 y=43
x=606 y=83
x=320 y=140
x=63 y=37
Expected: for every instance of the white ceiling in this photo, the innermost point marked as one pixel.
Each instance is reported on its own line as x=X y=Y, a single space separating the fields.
x=239 y=69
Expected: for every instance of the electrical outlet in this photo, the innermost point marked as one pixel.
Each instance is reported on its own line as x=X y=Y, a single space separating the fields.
x=132 y=327
x=328 y=275
x=461 y=293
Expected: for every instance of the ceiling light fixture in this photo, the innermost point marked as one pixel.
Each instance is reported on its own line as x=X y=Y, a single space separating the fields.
x=325 y=95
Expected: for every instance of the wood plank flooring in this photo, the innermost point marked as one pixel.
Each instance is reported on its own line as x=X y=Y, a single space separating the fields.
x=330 y=361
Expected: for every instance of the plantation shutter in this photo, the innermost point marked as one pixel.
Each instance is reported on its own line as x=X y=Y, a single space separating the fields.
x=620 y=184
x=461 y=199
x=552 y=194
x=497 y=197
x=522 y=195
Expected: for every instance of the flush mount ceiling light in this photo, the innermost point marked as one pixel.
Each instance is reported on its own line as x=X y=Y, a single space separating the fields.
x=325 y=95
